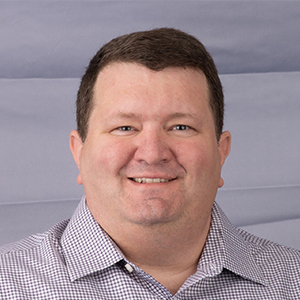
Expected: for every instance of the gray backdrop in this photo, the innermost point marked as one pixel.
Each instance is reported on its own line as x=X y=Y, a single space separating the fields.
x=44 y=49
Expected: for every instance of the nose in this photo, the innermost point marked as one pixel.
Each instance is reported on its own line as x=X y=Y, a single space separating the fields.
x=153 y=147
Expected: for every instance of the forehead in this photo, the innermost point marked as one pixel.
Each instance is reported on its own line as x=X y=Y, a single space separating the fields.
x=132 y=78
x=127 y=89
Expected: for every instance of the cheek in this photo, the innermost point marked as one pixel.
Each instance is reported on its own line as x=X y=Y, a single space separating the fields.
x=199 y=159
x=106 y=157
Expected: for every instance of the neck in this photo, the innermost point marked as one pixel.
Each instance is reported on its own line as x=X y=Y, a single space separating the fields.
x=169 y=253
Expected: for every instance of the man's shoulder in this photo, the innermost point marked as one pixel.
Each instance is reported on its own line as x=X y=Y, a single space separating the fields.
x=272 y=256
x=262 y=246
x=30 y=267
x=32 y=244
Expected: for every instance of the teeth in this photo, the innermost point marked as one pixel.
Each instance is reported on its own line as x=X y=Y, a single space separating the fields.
x=149 y=180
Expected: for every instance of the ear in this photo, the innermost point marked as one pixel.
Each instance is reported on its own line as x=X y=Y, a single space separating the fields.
x=76 y=146
x=224 y=149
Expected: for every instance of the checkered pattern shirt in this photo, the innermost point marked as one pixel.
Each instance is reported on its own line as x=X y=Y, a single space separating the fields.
x=77 y=260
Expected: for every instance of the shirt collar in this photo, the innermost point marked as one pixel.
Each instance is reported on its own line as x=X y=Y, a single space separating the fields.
x=231 y=250
x=86 y=247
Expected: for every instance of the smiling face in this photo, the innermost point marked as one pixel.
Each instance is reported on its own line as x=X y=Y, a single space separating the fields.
x=151 y=155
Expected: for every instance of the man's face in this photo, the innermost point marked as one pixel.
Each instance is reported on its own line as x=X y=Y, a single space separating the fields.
x=151 y=155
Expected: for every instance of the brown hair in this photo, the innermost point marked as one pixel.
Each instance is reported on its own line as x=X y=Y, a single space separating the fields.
x=155 y=49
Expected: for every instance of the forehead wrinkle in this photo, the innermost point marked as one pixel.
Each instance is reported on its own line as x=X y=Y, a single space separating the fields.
x=125 y=115
x=182 y=115
x=139 y=116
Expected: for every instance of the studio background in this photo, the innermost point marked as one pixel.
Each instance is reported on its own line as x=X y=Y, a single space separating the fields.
x=44 y=48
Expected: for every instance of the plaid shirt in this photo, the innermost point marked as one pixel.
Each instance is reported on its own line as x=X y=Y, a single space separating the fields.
x=77 y=260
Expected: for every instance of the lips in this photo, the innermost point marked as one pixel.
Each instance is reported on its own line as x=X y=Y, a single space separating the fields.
x=150 y=180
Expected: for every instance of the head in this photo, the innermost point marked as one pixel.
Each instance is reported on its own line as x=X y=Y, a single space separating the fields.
x=149 y=145
x=155 y=49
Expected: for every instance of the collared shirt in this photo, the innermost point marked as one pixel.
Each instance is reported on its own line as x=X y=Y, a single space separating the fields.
x=76 y=259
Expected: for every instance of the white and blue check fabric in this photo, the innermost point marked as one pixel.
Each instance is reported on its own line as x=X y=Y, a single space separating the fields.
x=76 y=259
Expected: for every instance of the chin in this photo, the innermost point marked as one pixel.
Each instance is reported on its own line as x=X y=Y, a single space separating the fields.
x=153 y=218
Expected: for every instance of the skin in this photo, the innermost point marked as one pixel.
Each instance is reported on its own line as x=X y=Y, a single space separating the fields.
x=149 y=124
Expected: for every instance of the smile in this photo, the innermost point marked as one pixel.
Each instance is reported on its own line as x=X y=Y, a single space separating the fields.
x=150 y=180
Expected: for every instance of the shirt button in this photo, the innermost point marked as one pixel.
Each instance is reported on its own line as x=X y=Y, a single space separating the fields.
x=129 y=268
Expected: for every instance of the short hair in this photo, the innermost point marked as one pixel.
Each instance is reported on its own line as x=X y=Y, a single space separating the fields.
x=155 y=49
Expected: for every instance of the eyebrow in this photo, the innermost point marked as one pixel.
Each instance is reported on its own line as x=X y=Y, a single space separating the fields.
x=182 y=115
x=129 y=115
x=124 y=115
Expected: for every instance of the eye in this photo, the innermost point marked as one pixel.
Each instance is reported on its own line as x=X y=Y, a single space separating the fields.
x=124 y=130
x=182 y=130
x=181 y=127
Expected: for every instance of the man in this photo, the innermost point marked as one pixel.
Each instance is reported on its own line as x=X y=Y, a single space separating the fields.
x=149 y=147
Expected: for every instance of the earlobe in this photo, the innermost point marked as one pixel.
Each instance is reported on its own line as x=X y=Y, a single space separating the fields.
x=224 y=149
x=76 y=146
